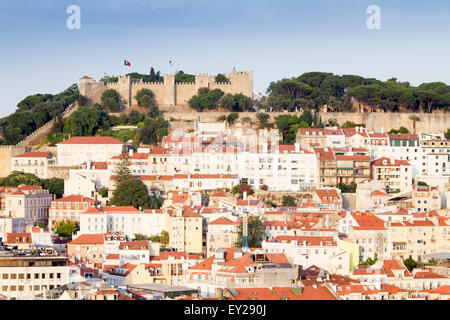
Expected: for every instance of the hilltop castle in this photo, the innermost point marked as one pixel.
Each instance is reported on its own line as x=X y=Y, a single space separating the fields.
x=167 y=93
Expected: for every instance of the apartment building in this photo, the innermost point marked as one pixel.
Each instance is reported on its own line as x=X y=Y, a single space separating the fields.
x=68 y=208
x=185 y=228
x=426 y=198
x=24 y=277
x=78 y=150
x=222 y=233
x=31 y=203
x=395 y=174
x=33 y=162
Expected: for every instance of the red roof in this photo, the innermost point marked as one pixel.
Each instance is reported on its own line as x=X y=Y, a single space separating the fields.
x=386 y=162
x=33 y=154
x=223 y=221
x=16 y=238
x=368 y=222
x=75 y=198
x=89 y=239
x=91 y=140
x=284 y=293
x=134 y=245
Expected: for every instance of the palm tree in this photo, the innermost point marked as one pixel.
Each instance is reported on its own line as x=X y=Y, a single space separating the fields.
x=414 y=118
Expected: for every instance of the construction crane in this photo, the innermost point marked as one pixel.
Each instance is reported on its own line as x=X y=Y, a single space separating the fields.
x=245 y=230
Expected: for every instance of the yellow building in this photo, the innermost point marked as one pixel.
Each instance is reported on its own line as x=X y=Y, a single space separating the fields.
x=426 y=198
x=419 y=237
x=185 y=228
x=353 y=250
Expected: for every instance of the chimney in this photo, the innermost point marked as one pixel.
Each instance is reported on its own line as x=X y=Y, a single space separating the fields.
x=95 y=198
x=130 y=152
x=54 y=197
x=297 y=147
x=244 y=195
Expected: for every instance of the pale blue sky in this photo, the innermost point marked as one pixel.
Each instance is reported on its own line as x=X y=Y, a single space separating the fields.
x=275 y=39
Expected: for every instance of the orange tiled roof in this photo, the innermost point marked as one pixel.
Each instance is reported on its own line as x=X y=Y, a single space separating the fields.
x=91 y=140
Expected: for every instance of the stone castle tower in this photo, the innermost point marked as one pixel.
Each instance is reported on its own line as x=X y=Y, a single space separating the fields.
x=167 y=93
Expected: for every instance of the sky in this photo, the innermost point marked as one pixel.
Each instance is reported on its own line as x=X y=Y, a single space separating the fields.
x=276 y=39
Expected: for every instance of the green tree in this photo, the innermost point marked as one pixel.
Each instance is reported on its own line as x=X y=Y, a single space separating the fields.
x=131 y=192
x=348 y=124
x=67 y=228
x=220 y=78
x=232 y=117
x=54 y=186
x=111 y=100
x=262 y=118
x=255 y=233
x=152 y=77
x=184 y=77
x=410 y=263
x=103 y=191
x=145 y=98
x=122 y=169
x=422 y=184
x=289 y=201
x=86 y=121
x=345 y=188
x=33 y=112
x=140 y=236
x=205 y=99
x=447 y=134
x=17 y=178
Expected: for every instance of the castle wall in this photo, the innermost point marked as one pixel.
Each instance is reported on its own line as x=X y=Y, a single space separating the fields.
x=168 y=93
x=184 y=91
x=6 y=153
x=157 y=88
x=429 y=123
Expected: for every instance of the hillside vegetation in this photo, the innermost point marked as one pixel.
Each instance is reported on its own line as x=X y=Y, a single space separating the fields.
x=33 y=112
x=314 y=89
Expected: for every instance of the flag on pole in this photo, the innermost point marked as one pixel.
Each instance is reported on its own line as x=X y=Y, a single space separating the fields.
x=126 y=63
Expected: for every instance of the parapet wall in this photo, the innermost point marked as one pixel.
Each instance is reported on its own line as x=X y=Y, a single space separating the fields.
x=167 y=93
x=429 y=123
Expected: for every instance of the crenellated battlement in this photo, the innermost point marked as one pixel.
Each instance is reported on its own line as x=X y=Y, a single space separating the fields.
x=167 y=92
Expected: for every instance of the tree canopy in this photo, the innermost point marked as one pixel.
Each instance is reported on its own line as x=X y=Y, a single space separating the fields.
x=17 y=178
x=111 y=100
x=33 y=112
x=145 y=98
x=314 y=89
x=255 y=233
x=66 y=228
x=133 y=192
x=205 y=99
x=86 y=121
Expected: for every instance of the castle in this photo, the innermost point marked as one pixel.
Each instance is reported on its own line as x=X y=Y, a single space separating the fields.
x=167 y=93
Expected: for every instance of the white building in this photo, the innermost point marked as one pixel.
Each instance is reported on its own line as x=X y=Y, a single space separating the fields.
x=127 y=220
x=322 y=252
x=78 y=150
x=34 y=162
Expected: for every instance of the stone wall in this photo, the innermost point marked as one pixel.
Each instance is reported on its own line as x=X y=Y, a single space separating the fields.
x=6 y=153
x=429 y=123
x=61 y=172
x=168 y=92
